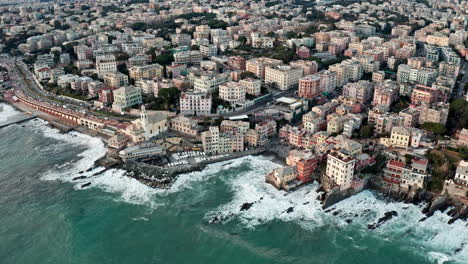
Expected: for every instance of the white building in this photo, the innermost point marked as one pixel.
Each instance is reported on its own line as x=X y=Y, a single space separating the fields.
x=209 y=83
x=340 y=169
x=193 y=103
x=105 y=64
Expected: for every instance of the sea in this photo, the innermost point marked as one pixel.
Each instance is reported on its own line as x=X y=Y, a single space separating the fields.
x=47 y=217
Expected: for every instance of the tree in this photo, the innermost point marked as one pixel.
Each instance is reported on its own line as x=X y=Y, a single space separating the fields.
x=247 y=74
x=271 y=34
x=434 y=128
x=458 y=114
x=366 y=131
x=242 y=40
x=169 y=97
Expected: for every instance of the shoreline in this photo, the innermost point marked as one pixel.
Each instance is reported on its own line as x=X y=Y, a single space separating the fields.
x=162 y=178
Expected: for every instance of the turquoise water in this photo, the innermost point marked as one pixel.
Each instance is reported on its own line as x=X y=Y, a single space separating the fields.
x=45 y=217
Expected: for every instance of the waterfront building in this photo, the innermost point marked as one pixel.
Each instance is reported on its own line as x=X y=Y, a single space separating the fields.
x=185 y=125
x=340 y=169
x=143 y=150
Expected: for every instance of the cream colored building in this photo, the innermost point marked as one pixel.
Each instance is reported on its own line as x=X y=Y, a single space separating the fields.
x=404 y=137
x=146 y=72
x=115 y=79
x=257 y=66
x=252 y=86
x=284 y=76
x=232 y=92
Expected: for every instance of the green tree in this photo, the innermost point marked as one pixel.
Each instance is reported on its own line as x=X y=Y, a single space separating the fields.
x=366 y=131
x=434 y=128
x=169 y=97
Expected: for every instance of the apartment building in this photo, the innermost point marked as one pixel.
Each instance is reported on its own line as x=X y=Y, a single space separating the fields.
x=151 y=71
x=126 y=97
x=105 y=64
x=209 y=82
x=340 y=168
x=185 y=125
x=435 y=113
x=216 y=142
x=232 y=92
x=362 y=91
x=115 y=79
x=309 y=86
x=284 y=77
x=404 y=137
x=308 y=67
x=257 y=66
x=195 y=103
x=385 y=93
x=252 y=86
x=401 y=176
x=209 y=50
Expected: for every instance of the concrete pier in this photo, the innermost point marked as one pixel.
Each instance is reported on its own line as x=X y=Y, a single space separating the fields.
x=19 y=118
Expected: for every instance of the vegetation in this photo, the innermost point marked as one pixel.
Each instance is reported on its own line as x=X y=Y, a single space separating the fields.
x=434 y=128
x=443 y=163
x=402 y=103
x=366 y=131
x=458 y=115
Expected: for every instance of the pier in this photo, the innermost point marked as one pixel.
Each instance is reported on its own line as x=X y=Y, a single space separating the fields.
x=19 y=118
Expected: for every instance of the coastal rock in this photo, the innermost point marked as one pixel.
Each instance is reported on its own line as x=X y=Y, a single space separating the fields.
x=387 y=216
x=246 y=206
x=79 y=178
x=86 y=185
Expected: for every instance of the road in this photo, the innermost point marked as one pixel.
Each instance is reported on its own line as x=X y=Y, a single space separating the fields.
x=23 y=79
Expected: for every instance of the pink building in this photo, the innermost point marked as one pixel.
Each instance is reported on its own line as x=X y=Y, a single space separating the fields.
x=309 y=86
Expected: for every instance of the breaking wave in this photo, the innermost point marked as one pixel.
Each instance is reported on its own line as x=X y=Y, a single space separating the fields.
x=444 y=242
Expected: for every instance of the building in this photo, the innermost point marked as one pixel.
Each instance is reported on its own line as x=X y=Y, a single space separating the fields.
x=385 y=93
x=105 y=64
x=236 y=63
x=125 y=97
x=309 y=86
x=232 y=92
x=400 y=176
x=404 y=137
x=423 y=76
x=361 y=90
x=115 y=79
x=150 y=124
x=435 y=113
x=458 y=186
x=141 y=151
x=281 y=177
x=151 y=71
x=209 y=82
x=234 y=126
x=252 y=86
x=209 y=50
x=216 y=142
x=340 y=169
x=284 y=77
x=194 y=103
x=257 y=66
x=308 y=67
x=410 y=117
x=185 y=125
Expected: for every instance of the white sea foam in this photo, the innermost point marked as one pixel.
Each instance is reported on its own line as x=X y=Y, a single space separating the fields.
x=446 y=242
x=7 y=111
x=114 y=180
